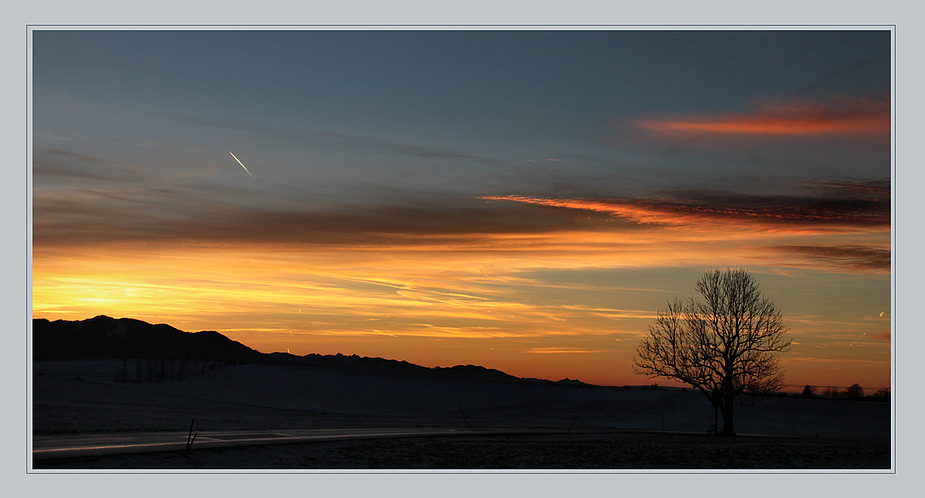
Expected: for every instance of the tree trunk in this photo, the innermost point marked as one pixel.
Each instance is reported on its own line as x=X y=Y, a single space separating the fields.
x=726 y=409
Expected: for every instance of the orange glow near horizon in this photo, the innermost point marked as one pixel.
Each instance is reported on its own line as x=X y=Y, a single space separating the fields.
x=435 y=305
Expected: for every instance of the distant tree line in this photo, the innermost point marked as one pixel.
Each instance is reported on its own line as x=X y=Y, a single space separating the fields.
x=165 y=369
x=855 y=392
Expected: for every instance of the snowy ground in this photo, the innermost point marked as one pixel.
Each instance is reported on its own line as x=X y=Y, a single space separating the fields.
x=82 y=397
x=551 y=452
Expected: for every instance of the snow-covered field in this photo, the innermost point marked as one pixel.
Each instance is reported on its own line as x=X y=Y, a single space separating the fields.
x=622 y=451
x=82 y=397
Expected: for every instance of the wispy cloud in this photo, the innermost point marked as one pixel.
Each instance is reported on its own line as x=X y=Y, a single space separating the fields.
x=333 y=139
x=557 y=350
x=798 y=116
x=679 y=227
x=78 y=217
x=49 y=161
x=844 y=256
x=863 y=203
x=874 y=189
x=844 y=362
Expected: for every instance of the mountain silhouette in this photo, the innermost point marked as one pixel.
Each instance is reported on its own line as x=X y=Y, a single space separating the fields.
x=103 y=337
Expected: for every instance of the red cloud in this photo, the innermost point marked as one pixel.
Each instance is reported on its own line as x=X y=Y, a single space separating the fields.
x=796 y=117
x=883 y=336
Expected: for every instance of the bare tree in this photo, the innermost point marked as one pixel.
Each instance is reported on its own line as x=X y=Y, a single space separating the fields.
x=723 y=342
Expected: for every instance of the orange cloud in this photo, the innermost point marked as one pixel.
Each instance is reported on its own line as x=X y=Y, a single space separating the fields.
x=613 y=207
x=796 y=117
x=851 y=206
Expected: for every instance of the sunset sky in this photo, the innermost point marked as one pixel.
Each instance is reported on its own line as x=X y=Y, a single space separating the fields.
x=521 y=200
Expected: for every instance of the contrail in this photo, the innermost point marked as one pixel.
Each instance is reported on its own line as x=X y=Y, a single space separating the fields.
x=239 y=162
x=858 y=339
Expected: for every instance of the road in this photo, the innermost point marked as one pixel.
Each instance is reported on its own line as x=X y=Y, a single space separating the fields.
x=46 y=447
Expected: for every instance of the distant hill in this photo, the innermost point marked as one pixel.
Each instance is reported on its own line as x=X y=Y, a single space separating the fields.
x=364 y=364
x=103 y=337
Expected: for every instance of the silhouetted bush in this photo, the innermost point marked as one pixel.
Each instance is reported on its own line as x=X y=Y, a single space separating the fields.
x=855 y=391
x=167 y=369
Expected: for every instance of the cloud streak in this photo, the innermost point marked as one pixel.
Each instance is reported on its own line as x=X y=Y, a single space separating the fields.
x=857 y=204
x=556 y=350
x=49 y=161
x=795 y=117
x=336 y=140
x=674 y=228
x=70 y=219
x=865 y=259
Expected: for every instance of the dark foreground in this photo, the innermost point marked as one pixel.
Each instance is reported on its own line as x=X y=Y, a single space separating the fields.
x=552 y=452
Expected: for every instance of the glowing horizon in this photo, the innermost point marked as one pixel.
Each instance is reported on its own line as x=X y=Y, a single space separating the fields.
x=492 y=214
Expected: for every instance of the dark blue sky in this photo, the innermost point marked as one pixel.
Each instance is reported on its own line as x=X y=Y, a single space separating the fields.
x=574 y=71
x=486 y=101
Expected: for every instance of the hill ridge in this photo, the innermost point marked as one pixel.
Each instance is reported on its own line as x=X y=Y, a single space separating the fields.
x=104 y=337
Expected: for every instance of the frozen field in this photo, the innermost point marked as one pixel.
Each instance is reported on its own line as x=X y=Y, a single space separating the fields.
x=641 y=451
x=82 y=397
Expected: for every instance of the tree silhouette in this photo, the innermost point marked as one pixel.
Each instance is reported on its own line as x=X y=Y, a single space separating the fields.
x=724 y=342
x=855 y=391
